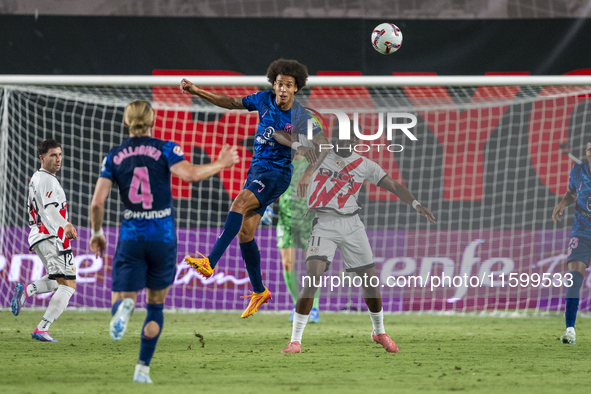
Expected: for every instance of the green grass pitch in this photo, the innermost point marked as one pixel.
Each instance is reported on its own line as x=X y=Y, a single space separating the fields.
x=437 y=354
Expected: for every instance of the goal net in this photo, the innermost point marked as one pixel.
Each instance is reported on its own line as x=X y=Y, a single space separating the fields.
x=491 y=161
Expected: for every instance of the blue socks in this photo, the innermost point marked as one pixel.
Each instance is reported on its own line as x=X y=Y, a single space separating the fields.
x=252 y=259
x=572 y=299
x=115 y=307
x=148 y=345
x=230 y=230
x=250 y=251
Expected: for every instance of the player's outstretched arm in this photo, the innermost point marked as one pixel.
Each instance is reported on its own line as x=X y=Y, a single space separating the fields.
x=569 y=197
x=284 y=138
x=221 y=100
x=195 y=173
x=405 y=195
x=97 y=212
x=319 y=139
x=314 y=159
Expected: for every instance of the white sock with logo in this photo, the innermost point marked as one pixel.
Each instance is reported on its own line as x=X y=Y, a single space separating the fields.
x=299 y=323
x=377 y=320
x=57 y=305
x=43 y=285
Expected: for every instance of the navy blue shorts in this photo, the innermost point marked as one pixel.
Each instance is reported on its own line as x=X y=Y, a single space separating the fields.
x=141 y=264
x=579 y=249
x=266 y=185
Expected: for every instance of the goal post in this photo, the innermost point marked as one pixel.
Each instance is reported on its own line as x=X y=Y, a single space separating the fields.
x=490 y=159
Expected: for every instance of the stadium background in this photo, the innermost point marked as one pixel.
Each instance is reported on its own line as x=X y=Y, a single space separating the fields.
x=510 y=204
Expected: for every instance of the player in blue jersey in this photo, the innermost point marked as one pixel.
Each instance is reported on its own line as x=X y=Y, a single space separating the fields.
x=146 y=252
x=579 y=248
x=270 y=171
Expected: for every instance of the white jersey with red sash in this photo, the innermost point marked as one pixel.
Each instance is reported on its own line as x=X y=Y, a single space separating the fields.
x=45 y=190
x=335 y=186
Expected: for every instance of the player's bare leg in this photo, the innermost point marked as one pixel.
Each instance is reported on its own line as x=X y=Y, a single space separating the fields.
x=373 y=300
x=314 y=270
x=150 y=333
x=245 y=202
x=577 y=270
x=250 y=222
x=252 y=260
x=121 y=295
x=123 y=303
x=287 y=256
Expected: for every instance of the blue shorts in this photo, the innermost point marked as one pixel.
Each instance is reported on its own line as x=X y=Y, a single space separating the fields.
x=579 y=248
x=141 y=264
x=266 y=185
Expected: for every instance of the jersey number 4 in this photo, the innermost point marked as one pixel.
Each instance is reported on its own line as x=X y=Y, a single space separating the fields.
x=141 y=181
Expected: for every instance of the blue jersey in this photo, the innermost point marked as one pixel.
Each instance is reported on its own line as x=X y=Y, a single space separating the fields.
x=269 y=153
x=140 y=166
x=580 y=183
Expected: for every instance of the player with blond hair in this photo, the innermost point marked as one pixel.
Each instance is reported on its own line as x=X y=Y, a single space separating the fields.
x=147 y=249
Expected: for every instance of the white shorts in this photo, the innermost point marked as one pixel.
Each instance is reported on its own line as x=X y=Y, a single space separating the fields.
x=58 y=263
x=348 y=234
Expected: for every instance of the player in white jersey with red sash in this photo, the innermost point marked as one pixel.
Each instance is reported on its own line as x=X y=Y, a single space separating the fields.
x=50 y=238
x=332 y=196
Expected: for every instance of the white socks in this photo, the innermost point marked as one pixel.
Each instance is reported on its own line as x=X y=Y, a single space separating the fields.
x=377 y=320
x=299 y=323
x=570 y=330
x=57 y=305
x=43 y=285
x=144 y=369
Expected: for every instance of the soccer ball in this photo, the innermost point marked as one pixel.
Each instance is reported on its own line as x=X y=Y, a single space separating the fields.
x=386 y=38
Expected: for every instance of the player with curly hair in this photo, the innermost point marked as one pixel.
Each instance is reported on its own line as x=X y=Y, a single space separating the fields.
x=280 y=115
